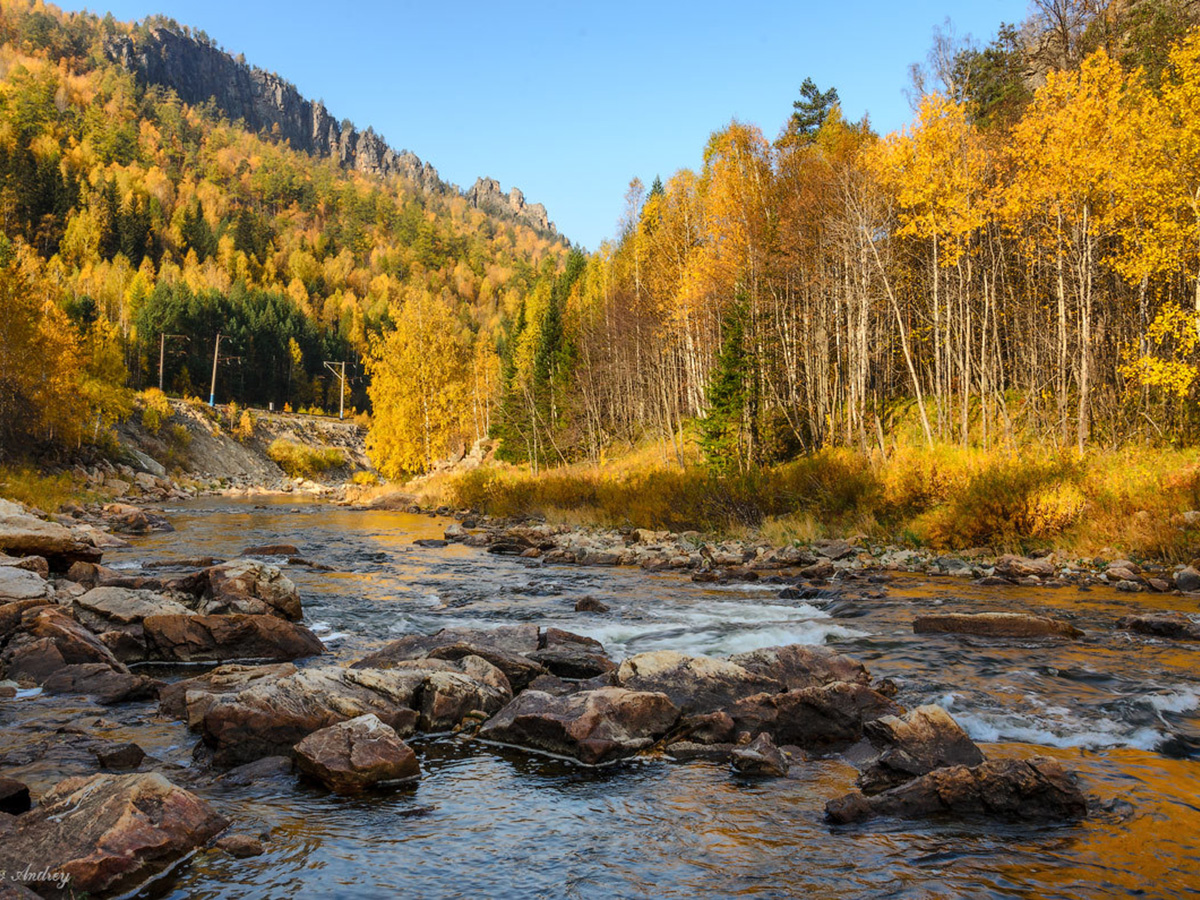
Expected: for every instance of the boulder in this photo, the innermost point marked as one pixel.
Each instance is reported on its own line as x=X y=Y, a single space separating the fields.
x=1009 y=566
x=594 y=727
x=114 y=606
x=798 y=666
x=925 y=739
x=569 y=655
x=1173 y=625
x=101 y=681
x=48 y=643
x=28 y=563
x=759 y=757
x=121 y=756
x=1188 y=579
x=269 y=718
x=818 y=718
x=695 y=684
x=1029 y=790
x=446 y=697
x=1015 y=625
x=21 y=584
x=12 y=613
x=356 y=754
x=24 y=535
x=503 y=647
x=189 y=698
x=191 y=638
x=110 y=833
x=253 y=588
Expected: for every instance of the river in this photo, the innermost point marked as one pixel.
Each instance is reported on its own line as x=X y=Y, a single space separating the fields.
x=1119 y=709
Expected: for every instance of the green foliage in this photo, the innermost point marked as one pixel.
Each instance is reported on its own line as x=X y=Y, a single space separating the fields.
x=723 y=429
x=301 y=461
x=811 y=110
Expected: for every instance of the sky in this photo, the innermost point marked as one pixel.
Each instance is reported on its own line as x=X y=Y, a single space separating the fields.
x=569 y=101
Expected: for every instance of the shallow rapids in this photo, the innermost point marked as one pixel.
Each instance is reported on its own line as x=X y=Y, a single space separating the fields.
x=1122 y=710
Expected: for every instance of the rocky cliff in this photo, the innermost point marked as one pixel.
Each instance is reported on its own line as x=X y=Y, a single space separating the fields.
x=198 y=72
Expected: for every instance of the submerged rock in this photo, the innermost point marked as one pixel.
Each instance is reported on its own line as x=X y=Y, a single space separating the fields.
x=1175 y=626
x=240 y=846
x=594 y=727
x=760 y=757
x=1037 y=789
x=354 y=755
x=109 y=833
x=272 y=550
x=1015 y=625
x=188 y=638
x=591 y=604
x=925 y=739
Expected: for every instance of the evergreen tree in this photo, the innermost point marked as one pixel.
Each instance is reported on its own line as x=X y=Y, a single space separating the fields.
x=727 y=394
x=811 y=109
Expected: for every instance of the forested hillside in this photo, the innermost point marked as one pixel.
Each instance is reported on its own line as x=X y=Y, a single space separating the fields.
x=1021 y=265
x=128 y=214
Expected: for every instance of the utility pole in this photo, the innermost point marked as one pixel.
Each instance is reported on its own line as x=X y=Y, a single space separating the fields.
x=212 y=391
x=332 y=367
x=162 y=347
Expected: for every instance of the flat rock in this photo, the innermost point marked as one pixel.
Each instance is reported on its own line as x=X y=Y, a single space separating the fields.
x=995 y=625
x=695 y=684
x=817 y=718
x=356 y=754
x=760 y=757
x=110 y=833
x=272 y=550
x=798 y=666
x=123 y=606
x=240 y=846
x=189 y=698
x=925 y=739
x=1175 y=626
x=1031 y=790
x=251 y=587
x=569 y=655
x=503 y=647
x=191 y=638
x=594 y=727
x=24 y=535
x=1010 y=566
x=21 y=584
x=101 y=681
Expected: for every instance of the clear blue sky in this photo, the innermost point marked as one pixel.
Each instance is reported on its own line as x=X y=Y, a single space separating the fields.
x=569 y=101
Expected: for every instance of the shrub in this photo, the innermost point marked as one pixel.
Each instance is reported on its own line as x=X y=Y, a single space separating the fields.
x=244 y=429
x=300 y=461
x=156 y=409
x=365 y=478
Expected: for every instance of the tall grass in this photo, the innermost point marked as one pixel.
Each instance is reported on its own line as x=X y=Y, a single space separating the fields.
x=1127 y=501
x=27 y=485
x=301 y=461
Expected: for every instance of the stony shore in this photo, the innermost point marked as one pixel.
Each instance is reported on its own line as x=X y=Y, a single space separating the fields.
x=265 y=704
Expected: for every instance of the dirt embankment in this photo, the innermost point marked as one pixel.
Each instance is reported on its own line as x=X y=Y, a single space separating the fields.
x=202 y=444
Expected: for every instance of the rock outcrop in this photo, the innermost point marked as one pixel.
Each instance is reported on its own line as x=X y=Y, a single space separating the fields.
x=188 y=638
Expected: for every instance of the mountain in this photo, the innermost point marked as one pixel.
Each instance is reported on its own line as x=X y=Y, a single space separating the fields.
x=197 y=71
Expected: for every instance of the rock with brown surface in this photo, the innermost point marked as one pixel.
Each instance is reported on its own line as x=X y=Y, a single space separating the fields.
x=503 y=647
x=594 y=727
x=695 y=684
x=240 y=846
x=355 y=755
x=271 y=717
x=253 y=588
x=1029 y=790
x=1175 y=626
x=1014 y=625
x=760 y=757
x=822 y=718
x=1009 y=566
x=272 y=550
x=798 y=666
x=110 y=833
x=191 y=638
x=189 y=699
x=569 y=655
x=101 y=681
x=25 y=535
x=36 y=564
x=925 y=739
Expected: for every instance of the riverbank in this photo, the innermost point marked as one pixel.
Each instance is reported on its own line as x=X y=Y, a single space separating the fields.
x=422 y=634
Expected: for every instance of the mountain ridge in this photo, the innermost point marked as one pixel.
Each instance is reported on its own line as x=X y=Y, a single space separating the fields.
x=199 y=71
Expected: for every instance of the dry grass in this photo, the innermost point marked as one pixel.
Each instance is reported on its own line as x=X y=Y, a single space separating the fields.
x=1128 y=501
x=301 y=461
x=33 y=488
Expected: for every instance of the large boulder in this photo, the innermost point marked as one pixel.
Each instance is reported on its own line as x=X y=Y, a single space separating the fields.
x=356 y=754
x=269 y=718
x=798 y=666
x=503 y=647
x=1015 y=625
x=251 y=587
x=189 y=698
x=569 y=655
x=114 y=607
x=191 y=638
x=695 y=684
x=1175 y=626
x=1037 y=789
x=21 y=584
x=817 y=718
x=25 y=535
x=925 y=739
x=109 y=833
x=594 y=727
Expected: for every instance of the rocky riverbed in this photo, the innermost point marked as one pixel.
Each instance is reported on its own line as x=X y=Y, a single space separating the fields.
x=199 y=689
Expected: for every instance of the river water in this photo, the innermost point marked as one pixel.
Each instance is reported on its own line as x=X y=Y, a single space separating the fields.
x=1121 y=710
